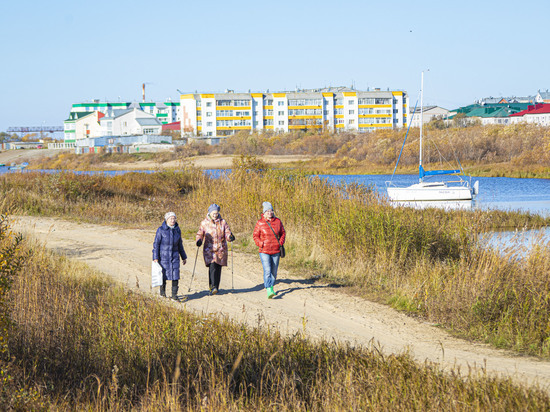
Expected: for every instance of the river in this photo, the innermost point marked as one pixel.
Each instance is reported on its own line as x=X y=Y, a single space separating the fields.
x=501 y=193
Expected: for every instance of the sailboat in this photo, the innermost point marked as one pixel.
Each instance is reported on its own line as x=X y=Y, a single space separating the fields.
x=427 y=190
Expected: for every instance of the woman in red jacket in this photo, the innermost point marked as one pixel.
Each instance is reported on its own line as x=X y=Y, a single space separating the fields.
x=269 y=235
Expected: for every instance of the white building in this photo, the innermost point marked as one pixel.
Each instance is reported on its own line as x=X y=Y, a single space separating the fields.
x=166 y=112
x=82 y=125
x=542 y=97
x=536 y=114
x=129 y=122
x=223 y=114
x=428 y=114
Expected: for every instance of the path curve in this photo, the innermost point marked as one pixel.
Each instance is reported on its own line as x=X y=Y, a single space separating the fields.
x=301 y=305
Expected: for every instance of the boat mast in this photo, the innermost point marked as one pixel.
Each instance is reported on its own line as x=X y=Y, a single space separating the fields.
x=421 y=123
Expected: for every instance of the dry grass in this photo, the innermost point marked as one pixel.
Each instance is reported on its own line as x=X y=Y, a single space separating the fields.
x=422 y=261
x=514 y=151
x=95 y=346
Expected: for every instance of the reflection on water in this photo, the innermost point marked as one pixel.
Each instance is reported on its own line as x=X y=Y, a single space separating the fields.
x=517 y=243
x=439 y=204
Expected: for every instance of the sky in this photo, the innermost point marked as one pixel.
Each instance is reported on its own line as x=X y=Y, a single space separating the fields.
x=57 y=53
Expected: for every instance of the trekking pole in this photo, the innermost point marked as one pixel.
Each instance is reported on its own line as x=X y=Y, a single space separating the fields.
x=232 y=266
x=194 y=266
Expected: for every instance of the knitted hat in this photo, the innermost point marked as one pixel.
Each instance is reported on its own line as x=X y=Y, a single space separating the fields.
x=213 y=207
x=266 y=206
x=167 y=215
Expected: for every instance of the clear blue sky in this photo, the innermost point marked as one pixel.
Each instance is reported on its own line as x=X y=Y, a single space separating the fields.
x=55 y=53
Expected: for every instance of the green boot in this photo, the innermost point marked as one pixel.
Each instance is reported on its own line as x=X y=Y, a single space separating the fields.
x=270 y=292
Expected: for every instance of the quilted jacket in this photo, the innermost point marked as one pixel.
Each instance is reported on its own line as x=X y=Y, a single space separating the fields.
x=264 y=237
x=214 y=234
x=167 y=249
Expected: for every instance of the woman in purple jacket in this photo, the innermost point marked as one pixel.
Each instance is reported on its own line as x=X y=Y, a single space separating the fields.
x=167 y=249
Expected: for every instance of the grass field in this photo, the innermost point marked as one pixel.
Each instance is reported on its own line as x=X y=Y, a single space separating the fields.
x=96 y=350
x=95 y=346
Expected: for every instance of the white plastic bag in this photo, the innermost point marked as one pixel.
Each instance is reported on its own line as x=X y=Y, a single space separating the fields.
x=156 y=274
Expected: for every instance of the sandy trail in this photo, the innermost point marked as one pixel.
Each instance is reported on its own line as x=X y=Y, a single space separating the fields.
x=301 y=305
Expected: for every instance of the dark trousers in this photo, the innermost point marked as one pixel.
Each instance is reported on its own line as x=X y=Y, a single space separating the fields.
x=174 y=288
x=214 y=275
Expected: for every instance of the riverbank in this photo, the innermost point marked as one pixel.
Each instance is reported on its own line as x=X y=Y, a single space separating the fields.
x=425 y=263
x=319 y=164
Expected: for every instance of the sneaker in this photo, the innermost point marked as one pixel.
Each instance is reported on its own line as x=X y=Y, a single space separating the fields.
x=175 y=298
x=270 y=292
x=214 y=291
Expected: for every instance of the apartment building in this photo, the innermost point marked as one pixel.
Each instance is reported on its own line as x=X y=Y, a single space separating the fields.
x=335 y=109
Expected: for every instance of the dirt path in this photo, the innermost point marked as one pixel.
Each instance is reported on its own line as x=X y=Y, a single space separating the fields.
x=300 y=305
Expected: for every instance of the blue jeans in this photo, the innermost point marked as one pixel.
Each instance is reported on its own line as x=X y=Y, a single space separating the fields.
x=270 y=264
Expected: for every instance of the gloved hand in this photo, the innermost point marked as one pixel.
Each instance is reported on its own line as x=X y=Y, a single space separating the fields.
x=199 y=243
x=231 y=237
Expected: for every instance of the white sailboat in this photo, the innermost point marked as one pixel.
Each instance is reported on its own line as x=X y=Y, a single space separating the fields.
x=427 y=190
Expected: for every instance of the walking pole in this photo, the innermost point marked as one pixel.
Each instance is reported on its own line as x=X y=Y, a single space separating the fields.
x=232 y=265
x=194 y=266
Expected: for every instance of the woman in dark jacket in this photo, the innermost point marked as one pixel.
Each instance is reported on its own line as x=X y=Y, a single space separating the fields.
x=167 y=249
x=269 y=234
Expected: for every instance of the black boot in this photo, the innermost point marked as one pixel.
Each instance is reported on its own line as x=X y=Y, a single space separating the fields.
x=163 y=289
x=175 y=290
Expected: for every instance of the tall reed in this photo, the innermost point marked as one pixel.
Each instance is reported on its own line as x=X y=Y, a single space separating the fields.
x=425 y=261
x=95 y=346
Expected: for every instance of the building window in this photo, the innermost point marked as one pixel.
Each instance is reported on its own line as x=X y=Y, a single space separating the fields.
x=281 y=113
x=280 y=103
x=281 y=122
x=208 y=123
x=351 y=112
x=208 y=104
x=208 y=114
x=305 y=102
x=351 y=121
x=351 y=101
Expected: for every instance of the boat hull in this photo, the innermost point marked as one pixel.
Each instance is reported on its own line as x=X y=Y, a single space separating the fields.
x=429 y=192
